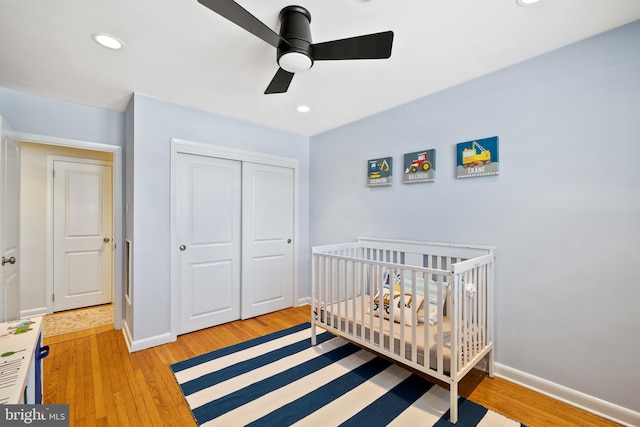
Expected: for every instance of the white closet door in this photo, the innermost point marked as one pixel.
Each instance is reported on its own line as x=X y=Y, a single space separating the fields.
x=208 y=219
x=267 y=248
x=82 y=235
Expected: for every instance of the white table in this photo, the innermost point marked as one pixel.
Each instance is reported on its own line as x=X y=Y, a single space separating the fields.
x=18 y=361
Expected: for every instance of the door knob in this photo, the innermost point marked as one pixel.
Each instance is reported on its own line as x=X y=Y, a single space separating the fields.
x=106 y=240
x=183 y=248
x=11 y=260
x=288 y=240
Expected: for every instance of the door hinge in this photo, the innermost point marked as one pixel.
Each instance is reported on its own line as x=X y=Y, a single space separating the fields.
x=53 y=297
x=53 y=173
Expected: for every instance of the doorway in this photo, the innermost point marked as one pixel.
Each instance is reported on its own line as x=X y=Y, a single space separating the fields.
x=37 y=221
x=234 y=226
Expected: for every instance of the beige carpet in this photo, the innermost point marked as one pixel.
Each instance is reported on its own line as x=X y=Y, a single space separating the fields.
x=77 y=320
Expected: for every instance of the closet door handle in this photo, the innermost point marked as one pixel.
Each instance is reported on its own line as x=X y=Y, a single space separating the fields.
x=183 y=248
x=288 y=240
x=106 y=240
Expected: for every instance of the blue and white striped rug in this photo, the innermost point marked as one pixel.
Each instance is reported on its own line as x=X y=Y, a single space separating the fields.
x=281 y=380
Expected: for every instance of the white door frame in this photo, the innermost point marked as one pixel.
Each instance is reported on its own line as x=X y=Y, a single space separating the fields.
x=202 y=149
x=117 y=206
x=9 y=297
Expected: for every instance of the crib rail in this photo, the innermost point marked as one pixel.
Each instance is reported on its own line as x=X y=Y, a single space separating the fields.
x=350 y=281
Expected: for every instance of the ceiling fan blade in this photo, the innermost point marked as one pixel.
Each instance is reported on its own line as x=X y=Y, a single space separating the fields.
x=370 y=46
x=280 y=82
x=235 y=13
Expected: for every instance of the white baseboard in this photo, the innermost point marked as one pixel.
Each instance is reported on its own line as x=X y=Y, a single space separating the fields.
x=145 y=343
x=34 y=312
x=572 y=397
x=303 y=301
x=126 y=333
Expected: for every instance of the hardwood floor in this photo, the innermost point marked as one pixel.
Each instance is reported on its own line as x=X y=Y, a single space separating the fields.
x=105 y=385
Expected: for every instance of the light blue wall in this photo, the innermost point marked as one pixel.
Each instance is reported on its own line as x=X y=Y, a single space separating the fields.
x=51 y=117
x=564 y=212
x=155 y=122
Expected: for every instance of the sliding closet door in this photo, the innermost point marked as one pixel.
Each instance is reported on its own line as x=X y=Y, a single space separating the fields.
x=208 y=215
x=267 y=248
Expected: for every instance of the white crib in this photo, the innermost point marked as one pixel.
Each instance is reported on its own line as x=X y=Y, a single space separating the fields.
x=360 y=288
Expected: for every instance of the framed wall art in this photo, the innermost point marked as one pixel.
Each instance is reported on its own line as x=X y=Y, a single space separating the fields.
x=477 y=158
x=419 y=166
x=379 y=171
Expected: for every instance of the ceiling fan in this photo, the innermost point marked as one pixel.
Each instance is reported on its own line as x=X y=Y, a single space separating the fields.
x=296 y=52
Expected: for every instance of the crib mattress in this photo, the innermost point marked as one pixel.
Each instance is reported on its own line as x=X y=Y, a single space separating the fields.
x=350 y=324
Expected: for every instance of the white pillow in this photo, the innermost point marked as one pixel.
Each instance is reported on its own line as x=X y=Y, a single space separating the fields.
x=432 y=297
x=383 y=305
x=433 y=293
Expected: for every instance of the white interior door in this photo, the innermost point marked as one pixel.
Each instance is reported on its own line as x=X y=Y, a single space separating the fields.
x=267 y=246
x=82 y=235
x=208 y=218
x=9 y=226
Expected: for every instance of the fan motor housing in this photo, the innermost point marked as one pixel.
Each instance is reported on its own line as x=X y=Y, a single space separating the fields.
x=295 y=29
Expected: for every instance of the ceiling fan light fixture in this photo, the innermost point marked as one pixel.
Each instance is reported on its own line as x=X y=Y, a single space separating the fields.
x=294 y=62
x=108 y=41
x=526 y=2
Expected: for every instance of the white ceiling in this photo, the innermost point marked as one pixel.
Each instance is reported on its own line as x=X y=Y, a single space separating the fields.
x=180 y=51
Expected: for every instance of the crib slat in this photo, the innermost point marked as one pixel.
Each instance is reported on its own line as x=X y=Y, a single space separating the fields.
x=482 y=301
x=440 y=325
x=399 y=307
x=380 y=319
x=392 y=306
x=353 y=296
x=455 y=324
x=318 y=288
x=363 y=283
x=414 y=316
x=373 y=288
x=466 y=324
x=330 y=283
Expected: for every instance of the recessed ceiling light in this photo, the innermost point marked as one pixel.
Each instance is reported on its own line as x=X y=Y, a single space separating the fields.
x=526 y=2
x=303 y=109
x=108 y=41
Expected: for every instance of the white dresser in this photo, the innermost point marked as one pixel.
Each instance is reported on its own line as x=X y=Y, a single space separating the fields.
x=21 y=353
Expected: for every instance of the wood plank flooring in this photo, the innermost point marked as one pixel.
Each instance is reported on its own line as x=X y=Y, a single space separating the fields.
x=105 y=385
